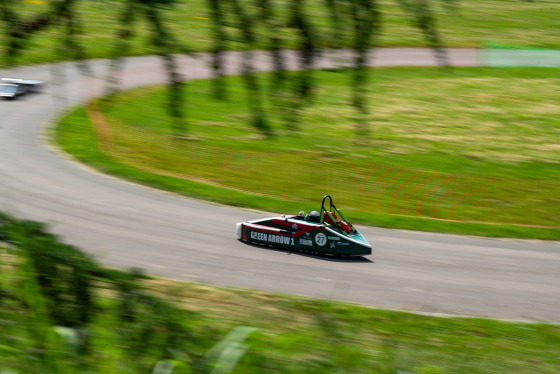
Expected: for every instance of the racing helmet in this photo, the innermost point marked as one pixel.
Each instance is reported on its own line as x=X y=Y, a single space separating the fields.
x=313 y=216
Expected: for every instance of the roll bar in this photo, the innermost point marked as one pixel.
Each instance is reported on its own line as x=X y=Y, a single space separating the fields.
x=332 y=208
x=331 y=203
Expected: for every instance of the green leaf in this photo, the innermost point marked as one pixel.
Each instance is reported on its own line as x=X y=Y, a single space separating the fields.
x=9 y=350
x=71 y=337
x=226 y=353
x=8 y=371
x=164 y=367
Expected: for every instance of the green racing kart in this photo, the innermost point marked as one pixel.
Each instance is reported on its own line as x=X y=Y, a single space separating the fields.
x=327 y=232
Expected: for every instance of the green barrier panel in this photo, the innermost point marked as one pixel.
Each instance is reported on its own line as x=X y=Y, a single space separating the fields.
x=502 y=55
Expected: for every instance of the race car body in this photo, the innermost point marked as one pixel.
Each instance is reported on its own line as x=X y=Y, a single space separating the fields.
x=11 y=88
x=327 y=232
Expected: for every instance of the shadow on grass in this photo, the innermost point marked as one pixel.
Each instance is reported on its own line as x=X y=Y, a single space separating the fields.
x=318 y=256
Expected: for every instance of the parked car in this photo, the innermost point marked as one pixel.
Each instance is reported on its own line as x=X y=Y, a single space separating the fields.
x=11 y=88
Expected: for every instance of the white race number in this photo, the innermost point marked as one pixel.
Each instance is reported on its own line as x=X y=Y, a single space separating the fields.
x=320 y=239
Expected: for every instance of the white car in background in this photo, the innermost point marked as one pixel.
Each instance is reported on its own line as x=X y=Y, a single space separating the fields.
x=11 y=88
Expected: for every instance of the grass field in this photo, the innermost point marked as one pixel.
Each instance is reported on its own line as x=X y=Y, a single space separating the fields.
x=524 y=23
x=481 y=149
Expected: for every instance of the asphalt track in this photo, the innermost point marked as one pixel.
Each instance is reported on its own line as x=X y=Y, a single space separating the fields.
x=126 y=225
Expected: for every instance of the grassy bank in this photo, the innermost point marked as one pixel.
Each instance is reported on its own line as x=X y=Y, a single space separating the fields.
x=477 y=156
x=63 y=313
x=473 y=22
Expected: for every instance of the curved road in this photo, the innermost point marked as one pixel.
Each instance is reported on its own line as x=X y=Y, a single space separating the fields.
x=125 y=225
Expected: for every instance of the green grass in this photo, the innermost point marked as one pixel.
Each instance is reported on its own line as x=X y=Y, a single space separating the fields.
x=509 y=22
x=481 y=149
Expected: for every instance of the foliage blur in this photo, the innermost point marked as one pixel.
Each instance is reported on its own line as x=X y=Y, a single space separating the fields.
x=60 y=311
